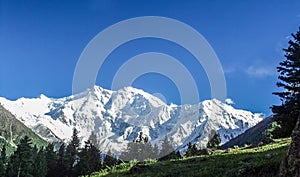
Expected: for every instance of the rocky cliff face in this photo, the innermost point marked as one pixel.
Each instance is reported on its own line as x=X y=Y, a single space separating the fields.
x=290 y=166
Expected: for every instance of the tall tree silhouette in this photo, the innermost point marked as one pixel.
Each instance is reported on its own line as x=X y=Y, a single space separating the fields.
x=40 y=164
x=192 y=150
x=20 y=163
x=89 y=159
x=3 y=161
x=62 y=162
x=72 y=154
x=215 y=141
x=287 y=113
x=51 y=159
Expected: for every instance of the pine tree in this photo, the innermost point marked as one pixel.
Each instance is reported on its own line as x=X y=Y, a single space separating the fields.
x=84 y=163
x=89 y=159
x=40 y=164
x=51 y=159
x=192 y=150
x=95 y=158
x=72 y=154
x=3 y=161
x=62 y=162
x=20 y=163
x=287 y=113
x=110 y=159
x=215 y=141
x=172 y=155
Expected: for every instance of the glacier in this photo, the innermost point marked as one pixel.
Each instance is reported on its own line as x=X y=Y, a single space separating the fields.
x=117 y=117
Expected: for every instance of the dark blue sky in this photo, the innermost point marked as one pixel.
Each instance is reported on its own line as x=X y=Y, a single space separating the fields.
x=41 y=41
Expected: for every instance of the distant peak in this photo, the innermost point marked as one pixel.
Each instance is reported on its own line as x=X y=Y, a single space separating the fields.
x=97 y=88
x=42 y=96
x=229 y=101
x=132 y=89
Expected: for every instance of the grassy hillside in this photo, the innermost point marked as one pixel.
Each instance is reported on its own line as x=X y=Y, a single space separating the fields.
x=247 y=162
x=12 y=130
x=253 y=135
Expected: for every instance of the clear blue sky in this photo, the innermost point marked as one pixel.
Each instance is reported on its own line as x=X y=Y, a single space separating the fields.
x=41 y=41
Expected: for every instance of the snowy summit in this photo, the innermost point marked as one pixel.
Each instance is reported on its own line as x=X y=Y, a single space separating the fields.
x=117 y=117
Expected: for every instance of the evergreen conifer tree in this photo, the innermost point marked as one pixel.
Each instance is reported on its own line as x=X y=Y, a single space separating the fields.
x=192 y=150
x=51 y=159
x=110 y=159
x=215 y=141
x=40 y=164
x=84 y=163
x=72 y=154
x=62 y=162
x=89 y=159
x=3 y=161
x=287 y=113
x=20 y=163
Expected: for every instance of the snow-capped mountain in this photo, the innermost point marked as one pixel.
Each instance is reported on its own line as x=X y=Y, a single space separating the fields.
x=117 y=117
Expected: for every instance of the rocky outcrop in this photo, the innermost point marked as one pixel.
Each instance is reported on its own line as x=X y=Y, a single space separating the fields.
x=290 y=166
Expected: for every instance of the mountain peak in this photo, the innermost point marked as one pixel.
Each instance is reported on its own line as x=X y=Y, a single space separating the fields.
x=43 y=97
x=117 y=117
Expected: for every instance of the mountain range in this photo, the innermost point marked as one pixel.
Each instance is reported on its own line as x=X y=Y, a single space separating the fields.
x=12 y=130
x=118 y=117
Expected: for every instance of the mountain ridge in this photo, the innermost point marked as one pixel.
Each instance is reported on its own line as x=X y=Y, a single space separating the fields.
x=12 y=130
x=117 y=117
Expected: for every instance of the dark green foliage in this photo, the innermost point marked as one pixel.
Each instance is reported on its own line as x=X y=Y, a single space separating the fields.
x=71 y=154
x=51 y=159
x=3 y=161
x=171 y=155
x=214 y=142
x=110 y=160
x=289 y=79
x=244 y=162
x=89 y=159
x=192 y=150
x=40 y=164
x=21 y=161
x=62 y=162
x=68 y=161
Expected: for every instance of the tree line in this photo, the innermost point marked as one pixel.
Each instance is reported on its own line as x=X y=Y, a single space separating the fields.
x=72 y=160
x=69 y=160
x=141 y=149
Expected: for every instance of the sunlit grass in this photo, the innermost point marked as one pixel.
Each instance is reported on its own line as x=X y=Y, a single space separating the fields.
x=244 y=161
